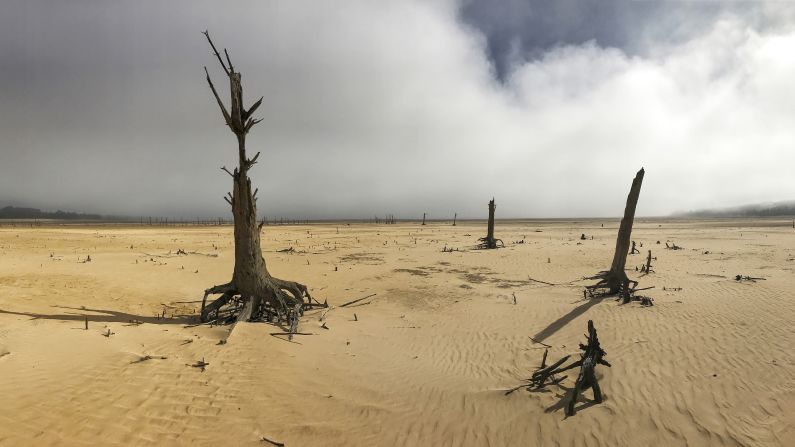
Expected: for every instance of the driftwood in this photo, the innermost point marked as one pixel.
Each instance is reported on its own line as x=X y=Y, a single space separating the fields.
x=490 y=241
x=592 y=355
x=747 y=278
x=149 y=357
x=633 y=250
x=357 y=300
x=272 y=442
x=672 y=246
x=615 y=278
x=200 y=364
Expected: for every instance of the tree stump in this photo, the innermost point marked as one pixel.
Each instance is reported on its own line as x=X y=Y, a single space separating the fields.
x=592 y=355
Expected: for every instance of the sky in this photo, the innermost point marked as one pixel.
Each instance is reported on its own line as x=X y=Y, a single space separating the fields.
x=399 y=107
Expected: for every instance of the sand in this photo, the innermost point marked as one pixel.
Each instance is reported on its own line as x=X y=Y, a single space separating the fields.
x=426 y=363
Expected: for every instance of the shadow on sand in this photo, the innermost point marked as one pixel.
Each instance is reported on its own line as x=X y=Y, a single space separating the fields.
x=565 y=397
x=566 y=319
x=103 y=316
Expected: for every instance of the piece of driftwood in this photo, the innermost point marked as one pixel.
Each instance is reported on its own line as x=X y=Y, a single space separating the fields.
x=613 y=279
x=272 y=442
x=747 y=278
x=634 y=250
x=148 y=357
x=357 y=300
x=539 y=342
x=201 y=364
x=592 y=355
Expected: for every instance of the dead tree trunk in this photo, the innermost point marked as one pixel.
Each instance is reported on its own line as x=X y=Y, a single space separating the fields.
x=454 y=218
x=252 y=290
x=423 y=218
x=489 y=241
x=616 y=276
x=648 y=263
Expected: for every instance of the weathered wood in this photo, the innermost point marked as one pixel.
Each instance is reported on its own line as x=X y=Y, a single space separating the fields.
x=262 y=295
x=490 y=241
x=357 y=300
x=591 y=356
x=616 y=276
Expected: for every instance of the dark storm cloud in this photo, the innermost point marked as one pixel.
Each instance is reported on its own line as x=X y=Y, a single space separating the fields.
x=393 y=107
x=520 y=30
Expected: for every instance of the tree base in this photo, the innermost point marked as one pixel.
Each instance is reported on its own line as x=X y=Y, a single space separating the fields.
x=612 y=283
x=274 y=300
x=489 y=243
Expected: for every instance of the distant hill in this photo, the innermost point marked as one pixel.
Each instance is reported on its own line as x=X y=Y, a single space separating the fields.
x=755 y=210
x=13 y=212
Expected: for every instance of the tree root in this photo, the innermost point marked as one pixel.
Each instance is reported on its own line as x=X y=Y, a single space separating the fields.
x=276 y=300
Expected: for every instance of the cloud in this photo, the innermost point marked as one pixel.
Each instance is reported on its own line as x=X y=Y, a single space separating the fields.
x=392 y=107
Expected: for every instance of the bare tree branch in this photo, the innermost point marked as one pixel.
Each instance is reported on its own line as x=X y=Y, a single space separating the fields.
x=231 y=69
x=252 y=109
x=227 y=171
x=218 y=98
x=253 y=161
x=226 y=70
x=251 y=122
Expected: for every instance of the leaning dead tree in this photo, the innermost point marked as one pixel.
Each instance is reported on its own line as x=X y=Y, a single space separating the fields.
x=489 y=241
x=252 y=293
x=592 y=355
x=616 y=278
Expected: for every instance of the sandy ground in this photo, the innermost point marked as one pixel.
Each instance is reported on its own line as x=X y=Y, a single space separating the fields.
x=430 y=355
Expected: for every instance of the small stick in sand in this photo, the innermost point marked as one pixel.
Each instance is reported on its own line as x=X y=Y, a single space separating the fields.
x=357 y=300
x=200 y=364
x=540 y=343
x=86 y=317
x=149 y=357
x=272 y=442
